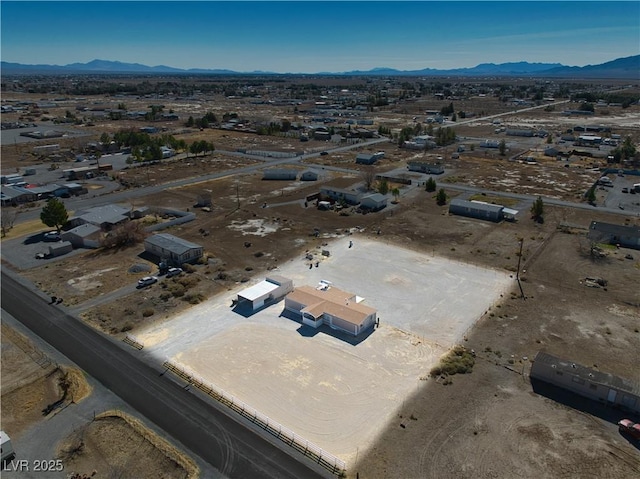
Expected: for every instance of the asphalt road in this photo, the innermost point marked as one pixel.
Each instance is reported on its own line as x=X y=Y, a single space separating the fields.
x=202 y=426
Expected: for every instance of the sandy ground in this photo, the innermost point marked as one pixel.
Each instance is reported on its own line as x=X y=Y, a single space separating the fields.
x=331 y=392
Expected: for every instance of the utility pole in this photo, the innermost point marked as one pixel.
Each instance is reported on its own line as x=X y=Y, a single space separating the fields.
x=518 y=270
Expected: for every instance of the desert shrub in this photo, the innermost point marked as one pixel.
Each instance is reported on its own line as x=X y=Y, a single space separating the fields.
x=456 y=361
x=222 y=275
x=188 y=268
x=259 y=254
x=193 y=298
x=165 y=296
x=147 y=312
x=187 y=281
x=177 y=290
x=126 y=327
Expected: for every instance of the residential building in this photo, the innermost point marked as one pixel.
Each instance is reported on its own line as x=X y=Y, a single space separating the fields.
x=625 y=236
x=331 y=306
x=586 y=382
x=424 y=167
x=280 y=174
x=481 y=210
x=105 y=217
x=369 y=158
x=373 y=202
x=340 y=194
x=172 y=249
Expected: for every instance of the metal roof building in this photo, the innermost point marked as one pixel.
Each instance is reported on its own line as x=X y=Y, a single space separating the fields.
x=173 y=249
x=587 y=382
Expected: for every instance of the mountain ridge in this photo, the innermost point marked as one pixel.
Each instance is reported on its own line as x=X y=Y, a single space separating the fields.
x=625 y=67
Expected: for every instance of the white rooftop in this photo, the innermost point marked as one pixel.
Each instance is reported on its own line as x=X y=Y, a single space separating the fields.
x=258 y=290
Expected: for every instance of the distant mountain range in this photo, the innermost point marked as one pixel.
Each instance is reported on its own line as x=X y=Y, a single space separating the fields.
x=621 y=68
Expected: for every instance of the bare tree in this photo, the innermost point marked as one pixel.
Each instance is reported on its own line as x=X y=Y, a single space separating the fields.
x=7 y=220
x=368 y=176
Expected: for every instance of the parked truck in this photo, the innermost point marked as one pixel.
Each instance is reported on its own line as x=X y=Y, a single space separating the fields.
x=6 y=449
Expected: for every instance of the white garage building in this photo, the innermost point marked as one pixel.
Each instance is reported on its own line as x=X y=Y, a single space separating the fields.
x=272 y=288
x=331 y=306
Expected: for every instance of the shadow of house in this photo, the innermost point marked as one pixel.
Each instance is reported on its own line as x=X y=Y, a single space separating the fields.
x=558 y=394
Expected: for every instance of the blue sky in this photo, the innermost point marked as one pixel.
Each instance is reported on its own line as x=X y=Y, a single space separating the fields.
x=314 y=36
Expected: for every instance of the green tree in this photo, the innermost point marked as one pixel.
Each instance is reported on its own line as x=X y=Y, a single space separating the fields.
x=396 y=193
x=383 y=186
x=441 y=197
x=54 y=214
x=591 y=195
x=503 y=147
x=537 y=210
x=430 y=185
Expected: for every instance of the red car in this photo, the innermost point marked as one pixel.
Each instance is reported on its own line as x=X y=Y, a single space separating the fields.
x=629 y=427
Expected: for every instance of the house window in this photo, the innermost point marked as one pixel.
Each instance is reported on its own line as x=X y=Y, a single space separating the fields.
x=559 y=373
x=593 y=386
x=577 y=380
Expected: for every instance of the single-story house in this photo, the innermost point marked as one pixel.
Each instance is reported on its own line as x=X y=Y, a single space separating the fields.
x=83 y=236
x=587 y=382
x=14 y=195
x=309 y=175
x=172 y=249
x=626 y=236
x=481 y=210
x=280 y=174
x=105 y=217
x=272 y=289
x=369 y=158
x=423 y=167
x=340 y=194
x=373 y=202
x=331 y=306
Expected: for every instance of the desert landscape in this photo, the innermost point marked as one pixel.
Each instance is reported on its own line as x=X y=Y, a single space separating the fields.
x=497 y=293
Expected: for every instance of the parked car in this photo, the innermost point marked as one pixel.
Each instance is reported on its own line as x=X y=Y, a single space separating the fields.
x=625 y=190
x=52 y=236
x=173 y=272
x=41 y=255
x=146 y=281
x=323 y=153
x=629 y=427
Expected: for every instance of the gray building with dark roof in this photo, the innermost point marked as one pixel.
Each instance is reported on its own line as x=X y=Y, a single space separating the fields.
x=172 y=249
x=626 y=236
x=472 y=209
x=586 y=382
